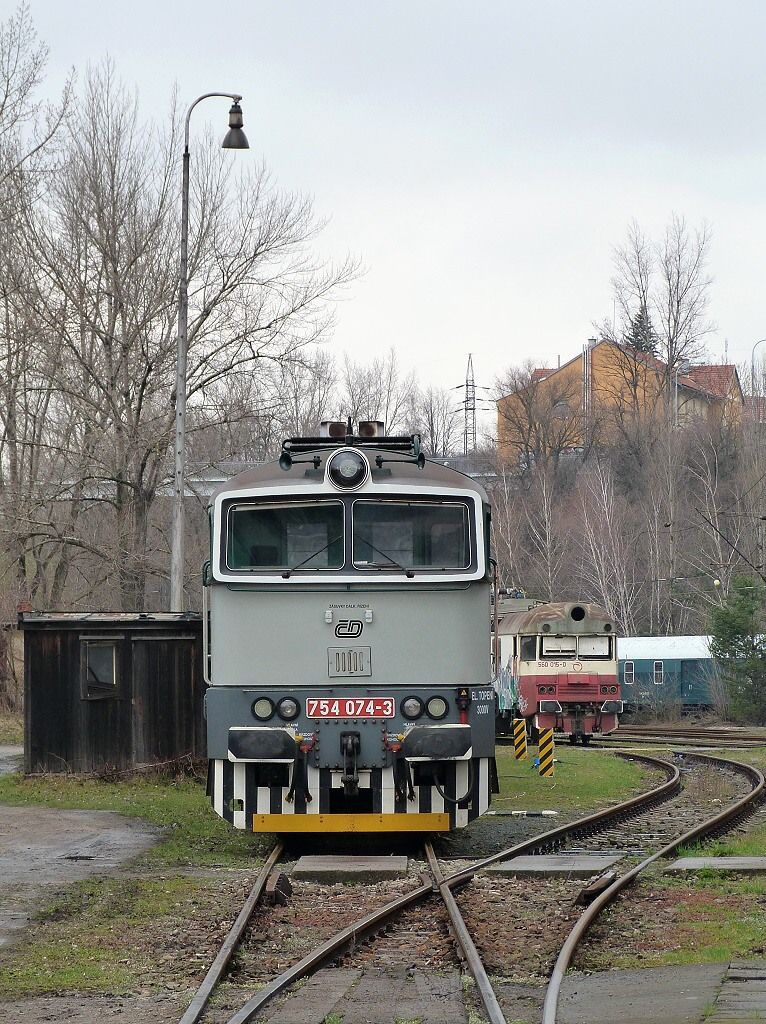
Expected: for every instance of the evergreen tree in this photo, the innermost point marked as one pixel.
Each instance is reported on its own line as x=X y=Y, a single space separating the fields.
x=640 y=334
x=738 y=644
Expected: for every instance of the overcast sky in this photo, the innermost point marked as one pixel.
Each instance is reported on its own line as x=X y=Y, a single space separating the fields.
x=481 y=158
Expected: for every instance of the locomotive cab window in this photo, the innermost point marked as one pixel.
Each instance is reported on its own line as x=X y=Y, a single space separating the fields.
x=594 y=646
x=559 y=646
x=411 y=535
x=528 y=648
x=292 y=536
x=99 y=669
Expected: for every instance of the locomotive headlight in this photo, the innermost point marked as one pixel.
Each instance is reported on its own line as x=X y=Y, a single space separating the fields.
x=347 y=469
x=262 y=708
x=288 y=709
x=412 y=707
x=437 y=707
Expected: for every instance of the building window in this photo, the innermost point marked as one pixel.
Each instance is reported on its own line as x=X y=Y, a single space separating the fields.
x=628 y=675
x=99 y=666
x=659 y=678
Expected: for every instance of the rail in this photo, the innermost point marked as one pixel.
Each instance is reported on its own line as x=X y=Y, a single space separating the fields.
x=583 y=923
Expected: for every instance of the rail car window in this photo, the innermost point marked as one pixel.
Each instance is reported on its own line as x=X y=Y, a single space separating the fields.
x=659 y=673
x=293 y=536
x=528 y=648
x=99 y=669
x=399 y=534
x=628 y=674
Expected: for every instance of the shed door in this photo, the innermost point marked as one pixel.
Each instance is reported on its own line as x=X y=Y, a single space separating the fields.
x=164 y=709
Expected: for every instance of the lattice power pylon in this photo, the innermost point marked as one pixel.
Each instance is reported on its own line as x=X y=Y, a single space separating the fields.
x=469 y=432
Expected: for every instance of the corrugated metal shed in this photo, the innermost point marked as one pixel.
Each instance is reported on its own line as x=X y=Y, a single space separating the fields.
x=111 y=690
x=661 y=648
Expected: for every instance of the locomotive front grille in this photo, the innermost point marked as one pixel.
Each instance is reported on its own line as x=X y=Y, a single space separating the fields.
x=587 y=691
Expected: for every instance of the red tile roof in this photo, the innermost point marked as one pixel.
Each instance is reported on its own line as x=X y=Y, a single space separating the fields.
x=717 y=380
x=541 y=373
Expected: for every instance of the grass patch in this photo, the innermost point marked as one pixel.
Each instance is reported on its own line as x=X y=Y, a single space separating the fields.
x=711 y=917
x=583 y=780
x=11 y=729
x=103 y=935
x=195 y=834
x=62 y=967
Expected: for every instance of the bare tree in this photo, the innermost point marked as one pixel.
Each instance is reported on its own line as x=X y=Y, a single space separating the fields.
x=611 y=560
x=106 y=245
x=376 y=391
x=435 y=417
x=539 y=418
x=23 y=58
x=668 y=280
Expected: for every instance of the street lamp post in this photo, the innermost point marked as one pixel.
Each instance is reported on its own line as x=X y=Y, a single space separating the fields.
x=235 y=139
x=752 y=366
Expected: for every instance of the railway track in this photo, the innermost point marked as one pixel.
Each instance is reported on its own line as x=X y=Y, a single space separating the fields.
x=710 y=736
x=730 y=734
x=652 y=831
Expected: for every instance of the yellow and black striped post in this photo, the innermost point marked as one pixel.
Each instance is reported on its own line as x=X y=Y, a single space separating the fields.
x=545 y=749
x=520 y=738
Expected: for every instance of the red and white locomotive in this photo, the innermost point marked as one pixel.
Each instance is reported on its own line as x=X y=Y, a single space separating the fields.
x=558 y=668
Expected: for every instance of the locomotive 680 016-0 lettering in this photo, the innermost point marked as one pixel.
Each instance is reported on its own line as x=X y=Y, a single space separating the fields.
x=347 y=604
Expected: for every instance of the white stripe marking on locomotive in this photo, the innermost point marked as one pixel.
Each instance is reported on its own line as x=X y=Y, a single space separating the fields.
x=239 y=794
x=263 y=800
x=461 y=785
x=437 y=801
x=218 y=787
x=388 y=792
x=312 y=777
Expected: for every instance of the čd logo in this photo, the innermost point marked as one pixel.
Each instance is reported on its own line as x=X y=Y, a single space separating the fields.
x=349 y=628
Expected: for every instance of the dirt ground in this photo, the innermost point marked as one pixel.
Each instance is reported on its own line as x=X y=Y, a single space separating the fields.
x=43 y=849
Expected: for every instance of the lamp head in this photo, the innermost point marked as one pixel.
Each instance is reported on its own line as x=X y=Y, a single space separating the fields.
x=235 y=138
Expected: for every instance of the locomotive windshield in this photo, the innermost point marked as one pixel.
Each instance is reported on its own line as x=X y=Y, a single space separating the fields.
x=290 y=536
x=411 y=535
x=576 y=646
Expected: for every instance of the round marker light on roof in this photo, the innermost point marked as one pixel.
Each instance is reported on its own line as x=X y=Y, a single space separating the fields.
x=347 y=469
x=262 y=708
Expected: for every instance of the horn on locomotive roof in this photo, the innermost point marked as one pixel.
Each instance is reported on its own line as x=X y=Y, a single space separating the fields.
x=336 y=434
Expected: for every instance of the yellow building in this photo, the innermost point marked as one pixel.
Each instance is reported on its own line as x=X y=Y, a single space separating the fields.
x=607 y=394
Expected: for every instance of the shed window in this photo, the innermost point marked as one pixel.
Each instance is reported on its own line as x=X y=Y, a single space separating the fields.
x=98 y=661
x=528 y=648
x=659 y=673
x=628 y=676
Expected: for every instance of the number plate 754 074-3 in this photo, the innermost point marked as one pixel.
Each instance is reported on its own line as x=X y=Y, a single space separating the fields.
x=350 y=707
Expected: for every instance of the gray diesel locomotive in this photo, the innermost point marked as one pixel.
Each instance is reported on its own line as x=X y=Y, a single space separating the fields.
x=347 y=611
